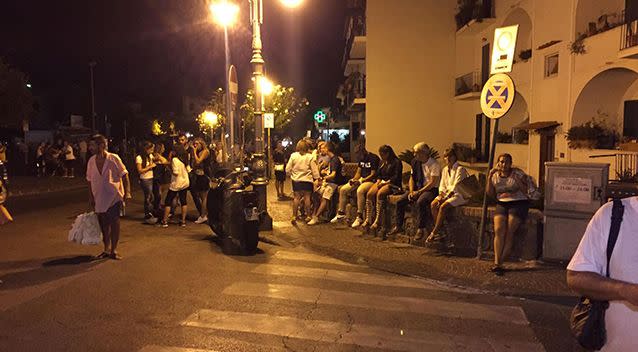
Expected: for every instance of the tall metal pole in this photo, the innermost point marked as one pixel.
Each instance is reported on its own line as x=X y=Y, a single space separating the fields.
x=260 y=183
x=228 y=100
x=91 y=65
x=490 y=164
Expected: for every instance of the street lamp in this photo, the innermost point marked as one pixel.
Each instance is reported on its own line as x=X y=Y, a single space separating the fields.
x=291 y=3
x=210 y=119
x=225 y=14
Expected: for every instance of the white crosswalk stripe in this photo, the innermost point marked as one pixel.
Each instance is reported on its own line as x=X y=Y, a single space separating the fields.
x=311 y=273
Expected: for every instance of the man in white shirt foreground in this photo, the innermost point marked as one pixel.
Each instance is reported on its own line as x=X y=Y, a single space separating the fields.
x=586 y=273
x=109 y=185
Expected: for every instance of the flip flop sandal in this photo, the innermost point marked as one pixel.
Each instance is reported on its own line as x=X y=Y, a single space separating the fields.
x=115 y=256
x=102 y=255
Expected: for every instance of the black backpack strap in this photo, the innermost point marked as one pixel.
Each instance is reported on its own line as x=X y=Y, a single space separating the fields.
x=616 y=219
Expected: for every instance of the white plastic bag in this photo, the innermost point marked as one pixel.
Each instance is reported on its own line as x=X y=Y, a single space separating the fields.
x=86 y=230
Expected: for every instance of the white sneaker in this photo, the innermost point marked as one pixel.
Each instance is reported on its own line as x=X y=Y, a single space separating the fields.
x=357 y=222
x=313 y=221
x=201 y=219
x=337 y=218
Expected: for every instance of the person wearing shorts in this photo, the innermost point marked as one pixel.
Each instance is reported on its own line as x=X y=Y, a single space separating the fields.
x=509 y=186
x=448 y=197
x=330 y=182
x=109 y=186
x=179 y=184
x=69 y=160
x=303 y=170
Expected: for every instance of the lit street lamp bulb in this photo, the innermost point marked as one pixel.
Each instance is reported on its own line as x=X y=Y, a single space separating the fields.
x=291 y=3
x=224 y=12
x=266 y=86
x=210 y=118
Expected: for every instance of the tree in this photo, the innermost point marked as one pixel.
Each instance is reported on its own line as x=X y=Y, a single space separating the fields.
x=16 y=101
x=284 y=102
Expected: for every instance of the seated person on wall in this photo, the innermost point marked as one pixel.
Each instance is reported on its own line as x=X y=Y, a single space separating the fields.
x=389 y=181
x=330 y=182
x=423 y=188
x=448 y=197
x=361 y=182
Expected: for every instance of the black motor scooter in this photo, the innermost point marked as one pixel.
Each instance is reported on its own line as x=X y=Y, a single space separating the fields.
x=232 y=209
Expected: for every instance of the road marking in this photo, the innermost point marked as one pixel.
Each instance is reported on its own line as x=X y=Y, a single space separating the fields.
x=448 y=309
x=344 y=276
x=309 y=257
x=399 y=338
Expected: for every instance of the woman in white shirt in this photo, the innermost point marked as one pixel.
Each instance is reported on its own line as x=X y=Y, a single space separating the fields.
x=179 y=184
x=145 y=165
x=303 y=171
x=69 y=160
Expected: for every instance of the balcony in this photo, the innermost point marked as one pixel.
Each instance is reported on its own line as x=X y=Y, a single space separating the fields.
x=629 y=40
x=355 y=88
x=474 y=16
x=468 y=87
x=355 y=35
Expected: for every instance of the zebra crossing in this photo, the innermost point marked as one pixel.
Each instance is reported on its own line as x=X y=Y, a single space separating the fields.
x=305 y=279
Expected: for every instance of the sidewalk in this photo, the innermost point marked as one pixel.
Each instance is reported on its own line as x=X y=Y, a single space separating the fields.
x=20 y=186
x=532 y=280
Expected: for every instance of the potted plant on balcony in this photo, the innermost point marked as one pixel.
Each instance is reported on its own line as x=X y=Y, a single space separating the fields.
x=593 y=134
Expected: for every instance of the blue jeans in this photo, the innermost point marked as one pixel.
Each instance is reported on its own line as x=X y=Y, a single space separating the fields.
x=147 y=188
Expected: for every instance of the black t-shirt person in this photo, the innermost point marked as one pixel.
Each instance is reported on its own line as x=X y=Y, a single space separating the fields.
x=369 y=163
x=335 y=165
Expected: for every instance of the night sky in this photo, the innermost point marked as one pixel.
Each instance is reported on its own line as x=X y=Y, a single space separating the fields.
x=155 y=51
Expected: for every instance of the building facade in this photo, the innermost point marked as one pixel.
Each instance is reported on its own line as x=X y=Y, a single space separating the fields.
x=425 y=62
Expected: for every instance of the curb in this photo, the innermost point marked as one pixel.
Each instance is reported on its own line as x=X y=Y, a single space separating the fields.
x=45 y=191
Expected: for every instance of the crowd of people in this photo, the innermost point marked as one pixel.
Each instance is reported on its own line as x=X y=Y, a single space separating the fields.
x=317 y=175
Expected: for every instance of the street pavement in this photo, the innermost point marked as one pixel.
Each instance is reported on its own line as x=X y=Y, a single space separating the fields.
x=181 y=290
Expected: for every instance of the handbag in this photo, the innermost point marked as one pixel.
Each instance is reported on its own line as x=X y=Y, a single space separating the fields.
x=86 y=230
x=588 y=317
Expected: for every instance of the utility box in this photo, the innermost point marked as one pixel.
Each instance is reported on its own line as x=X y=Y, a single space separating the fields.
x=573 y=193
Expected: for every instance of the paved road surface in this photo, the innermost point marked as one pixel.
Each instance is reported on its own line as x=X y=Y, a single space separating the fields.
x=179 y=290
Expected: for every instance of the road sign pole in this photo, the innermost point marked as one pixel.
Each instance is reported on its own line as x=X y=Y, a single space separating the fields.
x=490 y=164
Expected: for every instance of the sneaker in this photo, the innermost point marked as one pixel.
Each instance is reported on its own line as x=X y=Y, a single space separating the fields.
x=163 y=224
x=151 y=220
x=337 y=218
x=313 y=221
x=201 y=219
x=357 y=222
x=307 y=219
x=182 y=224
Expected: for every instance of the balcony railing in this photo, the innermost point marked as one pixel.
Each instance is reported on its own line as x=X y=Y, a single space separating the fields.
x=468 y=83
x=355 y=87
x=629 y=34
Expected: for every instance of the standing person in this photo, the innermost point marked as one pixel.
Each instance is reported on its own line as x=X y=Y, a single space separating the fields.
x=145 y=164
x=3 y=153
x=40 y=163
x=448 y=197
x=69 y=159
x=200 y=183
x=389 y=181
x=615 y=280
x=161 y=178
x=303 y=171
x=361 y=182
x=423 y=187
x=179 y=184
x=83 y=151
x=509 y=186
x=5 y=216
x=109 y=187
x=279 y=160
x=333 y=179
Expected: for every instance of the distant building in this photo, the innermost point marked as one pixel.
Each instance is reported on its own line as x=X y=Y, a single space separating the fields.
x=423 y=64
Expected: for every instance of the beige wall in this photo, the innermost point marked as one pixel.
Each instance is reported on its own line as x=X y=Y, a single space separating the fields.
x=410 y=66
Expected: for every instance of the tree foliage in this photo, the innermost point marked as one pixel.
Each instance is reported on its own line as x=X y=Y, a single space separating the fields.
x=284 y=102
x=16 y=101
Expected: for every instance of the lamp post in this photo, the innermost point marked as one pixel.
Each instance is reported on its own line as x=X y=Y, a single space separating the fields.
x=225 y=14
x=260 y=182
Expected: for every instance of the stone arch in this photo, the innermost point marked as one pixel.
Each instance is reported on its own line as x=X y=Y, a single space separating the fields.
x=520 y=17
x=603 y=96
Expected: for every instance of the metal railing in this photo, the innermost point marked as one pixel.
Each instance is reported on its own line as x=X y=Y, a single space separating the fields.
x=468 y=83
x=628 y=33
x=355 y=88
